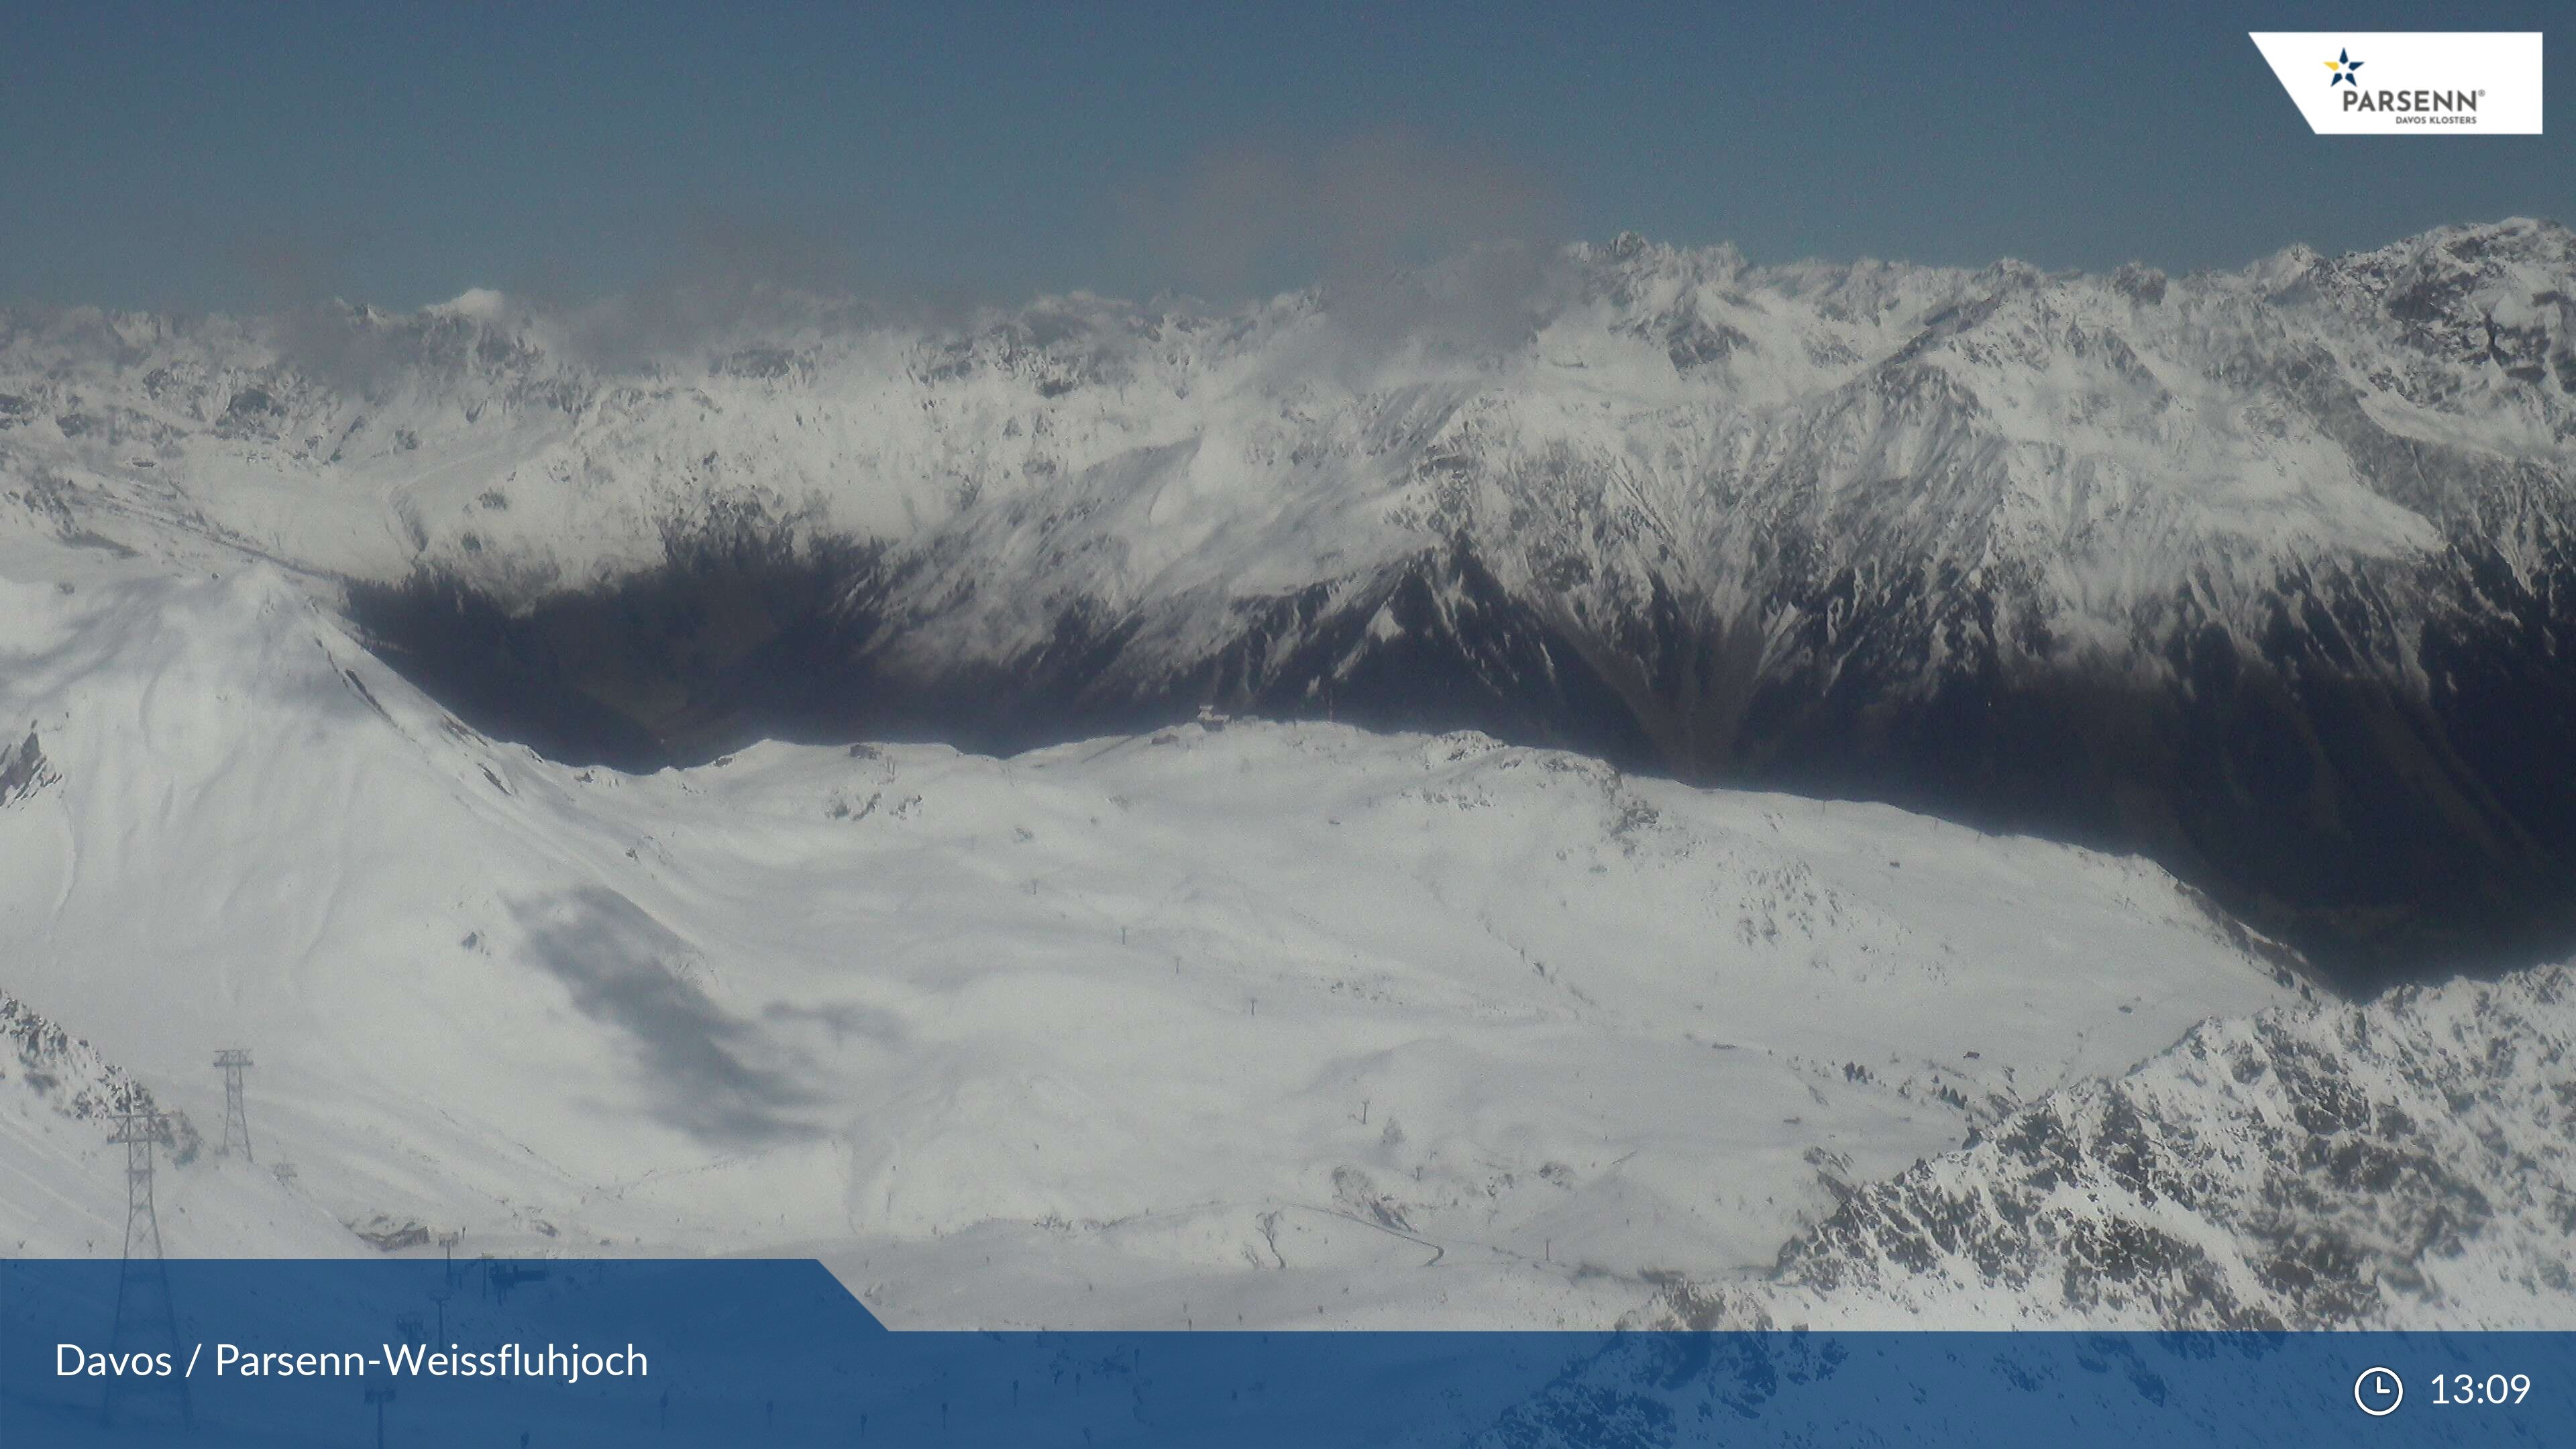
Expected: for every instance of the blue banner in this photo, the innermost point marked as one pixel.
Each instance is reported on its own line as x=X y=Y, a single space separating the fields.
x=698 y=1352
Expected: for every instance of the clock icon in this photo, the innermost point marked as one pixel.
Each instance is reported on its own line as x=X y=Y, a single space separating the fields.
x=2378 y=1391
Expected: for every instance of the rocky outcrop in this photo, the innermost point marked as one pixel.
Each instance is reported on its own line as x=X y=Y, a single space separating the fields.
x=70 y=1077
x=2409 y=1162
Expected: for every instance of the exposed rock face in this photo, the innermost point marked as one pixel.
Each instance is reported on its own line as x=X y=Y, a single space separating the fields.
x=23 y=770
x=2410 y=1161
x=72 y=1079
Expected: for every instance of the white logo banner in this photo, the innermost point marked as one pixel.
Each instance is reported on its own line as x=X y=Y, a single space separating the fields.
x=2366 y=83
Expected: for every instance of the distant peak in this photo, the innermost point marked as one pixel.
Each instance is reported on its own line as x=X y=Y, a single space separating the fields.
x=482 y=304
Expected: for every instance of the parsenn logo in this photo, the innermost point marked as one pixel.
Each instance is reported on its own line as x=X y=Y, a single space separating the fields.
x=2426 y=84
x=2426 y=102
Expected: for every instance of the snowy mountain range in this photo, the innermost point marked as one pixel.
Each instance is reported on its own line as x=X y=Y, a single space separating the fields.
x=2267 y=573
x=1120 y=814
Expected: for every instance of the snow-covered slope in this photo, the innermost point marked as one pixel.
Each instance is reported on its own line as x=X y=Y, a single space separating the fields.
x=63 y=1187
x=2410 y=1162
x=1271 y=1023
x=2269 y=573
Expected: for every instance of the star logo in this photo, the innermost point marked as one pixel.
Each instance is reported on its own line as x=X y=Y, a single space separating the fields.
x=2343 y=66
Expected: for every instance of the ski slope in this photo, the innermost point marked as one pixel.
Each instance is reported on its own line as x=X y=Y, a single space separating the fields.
x=1234 y=1023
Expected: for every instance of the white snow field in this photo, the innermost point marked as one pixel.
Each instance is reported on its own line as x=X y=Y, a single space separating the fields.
x=1235 y=1024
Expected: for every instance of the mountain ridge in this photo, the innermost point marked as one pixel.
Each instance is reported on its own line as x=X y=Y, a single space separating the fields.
x=2345 y=1166
x=2270 y=573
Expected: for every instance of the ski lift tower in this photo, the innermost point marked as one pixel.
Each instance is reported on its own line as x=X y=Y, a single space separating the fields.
x=145 y=1318
x=138 y=1131
x=233 y=1061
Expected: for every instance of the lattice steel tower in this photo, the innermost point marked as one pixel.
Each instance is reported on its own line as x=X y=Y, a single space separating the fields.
x=138 y=1131
x=146 y=1321
x=234 y=1061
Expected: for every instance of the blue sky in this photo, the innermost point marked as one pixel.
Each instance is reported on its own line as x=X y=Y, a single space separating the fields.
x=251 y=155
